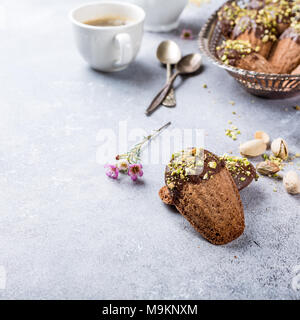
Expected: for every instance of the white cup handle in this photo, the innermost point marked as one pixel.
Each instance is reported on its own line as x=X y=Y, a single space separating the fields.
x=123 y=40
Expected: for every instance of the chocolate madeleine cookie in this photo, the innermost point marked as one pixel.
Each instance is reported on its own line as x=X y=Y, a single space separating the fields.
x=258 y=28
x=281 y=11
x=285 y=56
x=240 y=54
x=204 y=192
x=227 y=16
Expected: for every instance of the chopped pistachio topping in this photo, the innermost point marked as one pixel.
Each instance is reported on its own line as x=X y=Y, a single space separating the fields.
x=229 y=47
x=296 y=23
x=212 y=164
x=185 y=163
x=188 y=163
x=267 y=19
x=237 y=166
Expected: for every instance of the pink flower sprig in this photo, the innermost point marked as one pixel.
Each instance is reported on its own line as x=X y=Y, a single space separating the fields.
x=129 y=162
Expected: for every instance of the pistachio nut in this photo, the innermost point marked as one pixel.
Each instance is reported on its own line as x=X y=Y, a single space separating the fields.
x=262 y=135
x=291 y=182
x=279 y=148
x=267 y=168
x=253 y=148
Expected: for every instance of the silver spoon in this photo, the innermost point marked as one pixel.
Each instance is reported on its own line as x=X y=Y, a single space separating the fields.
x=169 y=53
x=187 y=65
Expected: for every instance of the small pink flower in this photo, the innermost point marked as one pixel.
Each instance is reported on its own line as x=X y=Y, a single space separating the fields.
x=123 y=166
x=135 y=171
x=187 y=34
x=112 y=172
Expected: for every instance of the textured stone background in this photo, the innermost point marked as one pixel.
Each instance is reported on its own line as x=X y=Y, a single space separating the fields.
x=66 y=231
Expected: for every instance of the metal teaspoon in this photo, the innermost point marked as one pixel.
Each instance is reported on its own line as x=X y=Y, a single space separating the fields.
x=187 y=65
x=168 y=53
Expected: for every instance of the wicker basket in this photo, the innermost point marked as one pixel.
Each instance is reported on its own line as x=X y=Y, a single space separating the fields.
x=274 y=86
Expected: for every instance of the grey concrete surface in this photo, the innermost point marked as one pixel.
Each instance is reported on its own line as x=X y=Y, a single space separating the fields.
x=67 y=231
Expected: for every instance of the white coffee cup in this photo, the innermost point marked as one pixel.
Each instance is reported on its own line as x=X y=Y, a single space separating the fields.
x=108 y=48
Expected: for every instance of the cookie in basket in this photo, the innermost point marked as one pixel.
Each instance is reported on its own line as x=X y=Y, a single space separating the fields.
x=258 y=29
x=240 y=54
x=281 y=11
x=285 y=55
x=227 y=16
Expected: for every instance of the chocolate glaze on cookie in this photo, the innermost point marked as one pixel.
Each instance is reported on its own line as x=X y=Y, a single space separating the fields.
x=248 y=23
x=266 y=19
x=240 y=54
x=242 y=171
x=179 y=172
x=227 y=16
x=231 y=51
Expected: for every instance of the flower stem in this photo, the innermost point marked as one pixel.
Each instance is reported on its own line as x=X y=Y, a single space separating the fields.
x=133 y=156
